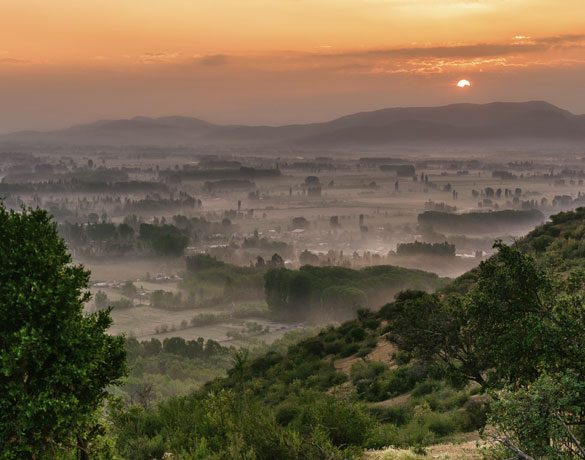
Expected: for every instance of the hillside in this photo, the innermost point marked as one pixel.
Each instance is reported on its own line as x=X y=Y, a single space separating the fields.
x=416 y=373
x=457 y=123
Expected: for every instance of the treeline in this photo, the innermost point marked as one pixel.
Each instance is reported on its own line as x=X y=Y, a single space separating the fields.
x=165 y=240
x=174 y=367
x=161 y=238
x=211 y=174
x=325 y=293
x=481 y=222
x=419 y=248
x=109 y=239
x=80 y=175
x=316 y=293
x=266 y=245
x=209 y=280
x=84 y=186
x=401 y=170
x=155 y=202
x=228 y=184
x=192 y=349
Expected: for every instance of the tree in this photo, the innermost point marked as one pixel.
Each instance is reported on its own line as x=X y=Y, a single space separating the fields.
x=276 y=260
x=55 y=361
x=129 y=290
x=542 y=420
x=521 y=335
x=166 y=240
x=308 y=258
x=510 y=314
x=100 y=300
x=260 y=262
x=502 y=329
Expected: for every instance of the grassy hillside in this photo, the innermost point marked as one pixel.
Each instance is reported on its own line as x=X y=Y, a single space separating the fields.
x=417 y=372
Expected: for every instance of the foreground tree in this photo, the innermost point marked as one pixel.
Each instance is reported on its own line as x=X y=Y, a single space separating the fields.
x=502 y=332
x=520 y=334
x=55 y=361
x=542 y=420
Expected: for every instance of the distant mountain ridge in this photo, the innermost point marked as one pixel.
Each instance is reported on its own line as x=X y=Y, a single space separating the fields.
x=455 y=123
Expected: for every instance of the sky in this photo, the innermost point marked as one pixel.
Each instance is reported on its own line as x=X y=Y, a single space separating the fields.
x=64 y=62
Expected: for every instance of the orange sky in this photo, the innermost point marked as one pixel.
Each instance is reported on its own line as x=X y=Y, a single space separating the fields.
x=278 y=61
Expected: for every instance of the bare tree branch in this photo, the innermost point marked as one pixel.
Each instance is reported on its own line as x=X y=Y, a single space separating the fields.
x=505 y=441
x=581 y=451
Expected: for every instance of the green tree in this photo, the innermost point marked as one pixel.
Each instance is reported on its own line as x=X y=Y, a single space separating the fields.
x=544 y=419
x=55 y=361
x=166 y=240
x=129 y=290
x=503 y=330
x=521 y=335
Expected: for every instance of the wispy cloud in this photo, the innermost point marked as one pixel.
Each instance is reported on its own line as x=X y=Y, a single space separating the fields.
x=13 y=61
x=158 y=57
x=521 y=51
x=521 y=45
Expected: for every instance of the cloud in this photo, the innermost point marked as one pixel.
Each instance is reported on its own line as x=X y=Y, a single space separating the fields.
x=567 y=39
x=14 y=61
x=457 y=51
x=521 y=51
x=522 y=45
x=158 y=57
x=213 y=59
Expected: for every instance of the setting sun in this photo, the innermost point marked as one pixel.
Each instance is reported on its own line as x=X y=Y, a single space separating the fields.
x=463 y=83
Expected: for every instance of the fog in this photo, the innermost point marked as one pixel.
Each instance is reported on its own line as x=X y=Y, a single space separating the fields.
x=182 y=241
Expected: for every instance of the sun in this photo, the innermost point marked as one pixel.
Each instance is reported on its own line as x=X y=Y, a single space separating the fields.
x=463 y=83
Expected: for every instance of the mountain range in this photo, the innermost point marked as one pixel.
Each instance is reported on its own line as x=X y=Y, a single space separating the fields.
x=534 y=121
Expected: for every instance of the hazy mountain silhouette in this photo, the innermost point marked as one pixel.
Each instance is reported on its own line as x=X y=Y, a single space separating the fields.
x=455 y=123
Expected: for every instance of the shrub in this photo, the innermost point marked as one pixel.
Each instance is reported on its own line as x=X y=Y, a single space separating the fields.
x=441 y=424
x=121 y=304
x=426 y=387
x=333 y=348
x=349 y=349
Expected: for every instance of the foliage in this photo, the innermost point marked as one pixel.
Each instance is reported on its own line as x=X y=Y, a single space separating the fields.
x=308 y=258
x=166 y=300
x=55 y=361
x=207 y=278
x=545 y=418
x=501 y=329
x=173 y=367
x=558 y=244
x=519 y=332
x=338 y=292
x=129 y=289
x=199 y=262
x=426 y=249
x=223 y=424
x=166 y=240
